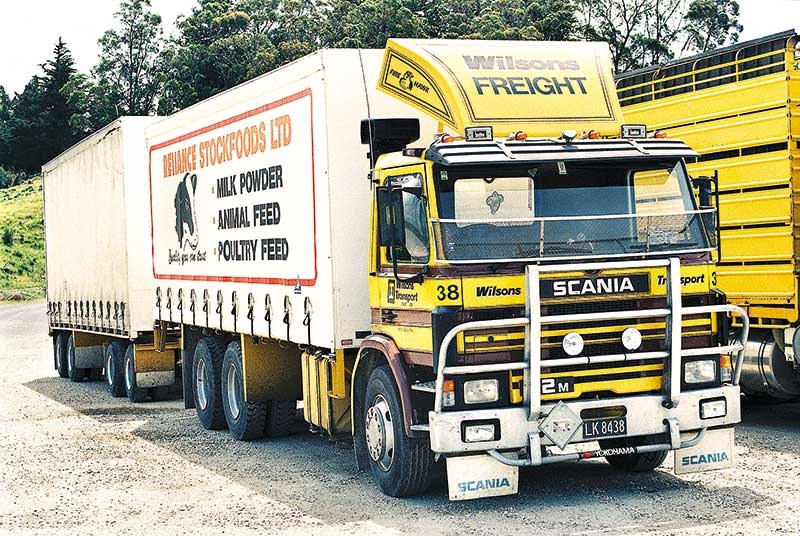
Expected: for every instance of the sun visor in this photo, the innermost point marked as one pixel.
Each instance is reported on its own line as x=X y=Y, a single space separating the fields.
x=540 y=87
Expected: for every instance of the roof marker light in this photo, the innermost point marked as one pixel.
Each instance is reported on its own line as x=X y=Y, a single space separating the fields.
x=569 y=135
x=517 y=136
x=594 y=135
x=659 y=134
x=478 y=133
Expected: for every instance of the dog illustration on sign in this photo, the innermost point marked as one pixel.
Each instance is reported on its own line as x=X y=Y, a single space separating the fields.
x=185 y=214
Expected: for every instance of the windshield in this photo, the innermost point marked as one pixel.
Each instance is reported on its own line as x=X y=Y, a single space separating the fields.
x=567 y=209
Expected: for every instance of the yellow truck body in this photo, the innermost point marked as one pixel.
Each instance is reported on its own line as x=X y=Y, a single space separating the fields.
x=738 y=107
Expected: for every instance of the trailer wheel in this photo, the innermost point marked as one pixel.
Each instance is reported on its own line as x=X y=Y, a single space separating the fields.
x=60 y=349
x=281 y=418
x=206 y=373
x=634 y=463
x=400 y=465
x=75 y=374
x=245 y=419
x=115 y=369
x=134 y=392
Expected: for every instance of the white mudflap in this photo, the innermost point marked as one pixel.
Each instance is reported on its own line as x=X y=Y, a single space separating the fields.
x=473 y=477
x=715 y=451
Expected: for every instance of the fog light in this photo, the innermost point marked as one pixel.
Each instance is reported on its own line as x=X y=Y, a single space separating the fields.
x=699 y=371
x=631 y=339
x=481 y=391
x=572 y=343
x=479 y=432
x=710 y=409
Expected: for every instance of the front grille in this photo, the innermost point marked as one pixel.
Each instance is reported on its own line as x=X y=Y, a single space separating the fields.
x=600 y=338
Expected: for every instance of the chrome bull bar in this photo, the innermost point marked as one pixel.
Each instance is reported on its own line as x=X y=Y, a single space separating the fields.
x=673 y=354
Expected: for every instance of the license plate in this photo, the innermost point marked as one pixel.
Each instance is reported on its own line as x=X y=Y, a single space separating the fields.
x=610 y=427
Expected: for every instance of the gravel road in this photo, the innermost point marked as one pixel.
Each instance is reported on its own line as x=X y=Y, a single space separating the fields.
x=75 y=460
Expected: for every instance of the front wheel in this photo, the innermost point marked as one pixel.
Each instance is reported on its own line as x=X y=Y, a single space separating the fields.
x=400 y=465
x=634 y=463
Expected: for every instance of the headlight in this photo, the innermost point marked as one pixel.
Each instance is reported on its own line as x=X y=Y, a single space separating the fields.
x=481 y=391
x=699 y=371
x=572 y=343
x=631 y=339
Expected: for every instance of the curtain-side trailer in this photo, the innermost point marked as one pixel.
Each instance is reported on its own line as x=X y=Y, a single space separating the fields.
x=99 y=281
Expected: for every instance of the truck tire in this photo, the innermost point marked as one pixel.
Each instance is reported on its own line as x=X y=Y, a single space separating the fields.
x=115 y=369
x=281 y=418
x=134 y=392
x=245 y=419
x=634 y=463
x=206 y=373
x=75 y=374
x=401 y=465
x=60 y=349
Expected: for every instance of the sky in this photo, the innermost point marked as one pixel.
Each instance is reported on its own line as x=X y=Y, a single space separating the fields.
x=30 y=28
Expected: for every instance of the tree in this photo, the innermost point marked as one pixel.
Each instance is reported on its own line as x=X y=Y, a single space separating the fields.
x=712 y=23
x=57 y=134
x=226 y=42
x=128 y=72
x=649 y=32
x=6 y=133
x=27 y=126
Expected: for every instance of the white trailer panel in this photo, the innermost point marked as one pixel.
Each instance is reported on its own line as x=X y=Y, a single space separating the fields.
x=261 y=202
x=96 y=214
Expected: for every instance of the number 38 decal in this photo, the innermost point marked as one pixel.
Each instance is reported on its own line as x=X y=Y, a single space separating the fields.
x=450 y=292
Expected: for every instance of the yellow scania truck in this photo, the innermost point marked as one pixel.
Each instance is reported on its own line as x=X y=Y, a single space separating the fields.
x=738 y=106
x=452 y=250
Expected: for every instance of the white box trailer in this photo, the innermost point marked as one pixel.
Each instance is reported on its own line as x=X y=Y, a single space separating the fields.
x=261 y=203
x=99 y=282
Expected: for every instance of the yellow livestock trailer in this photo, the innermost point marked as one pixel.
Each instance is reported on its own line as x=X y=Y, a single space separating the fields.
x=738 y=107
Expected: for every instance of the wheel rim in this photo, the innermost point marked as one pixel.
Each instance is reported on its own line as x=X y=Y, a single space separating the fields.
x=110 y=369
x=129 y=373
x=380 y=433
x=234 y=392
x=202 y=399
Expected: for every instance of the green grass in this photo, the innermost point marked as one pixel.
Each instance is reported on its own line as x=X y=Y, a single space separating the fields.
x=22 y=263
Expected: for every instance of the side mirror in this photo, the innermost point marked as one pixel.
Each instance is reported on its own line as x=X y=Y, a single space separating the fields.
x=391 y=220
x=707 y=188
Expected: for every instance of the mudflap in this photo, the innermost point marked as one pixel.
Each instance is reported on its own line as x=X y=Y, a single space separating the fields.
x=715 y=451
x=477 y=476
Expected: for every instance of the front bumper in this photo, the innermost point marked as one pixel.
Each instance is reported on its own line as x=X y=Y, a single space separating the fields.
x=646 y=415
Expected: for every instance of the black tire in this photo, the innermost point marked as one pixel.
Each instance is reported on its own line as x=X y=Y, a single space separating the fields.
x=245 y=419
x=634 y=463
x=115 y=369
x=60 y=349
x=281 y=418
x=400 y=465
x=208 y=356
x=134 y=392
x=75 y=374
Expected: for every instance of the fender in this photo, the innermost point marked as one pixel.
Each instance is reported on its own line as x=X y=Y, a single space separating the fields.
x=394 y=358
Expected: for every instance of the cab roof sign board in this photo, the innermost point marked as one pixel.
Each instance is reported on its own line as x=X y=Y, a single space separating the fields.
x=538 y=87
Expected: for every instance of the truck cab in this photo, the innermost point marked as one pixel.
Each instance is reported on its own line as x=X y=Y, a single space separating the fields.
x=541 y=275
